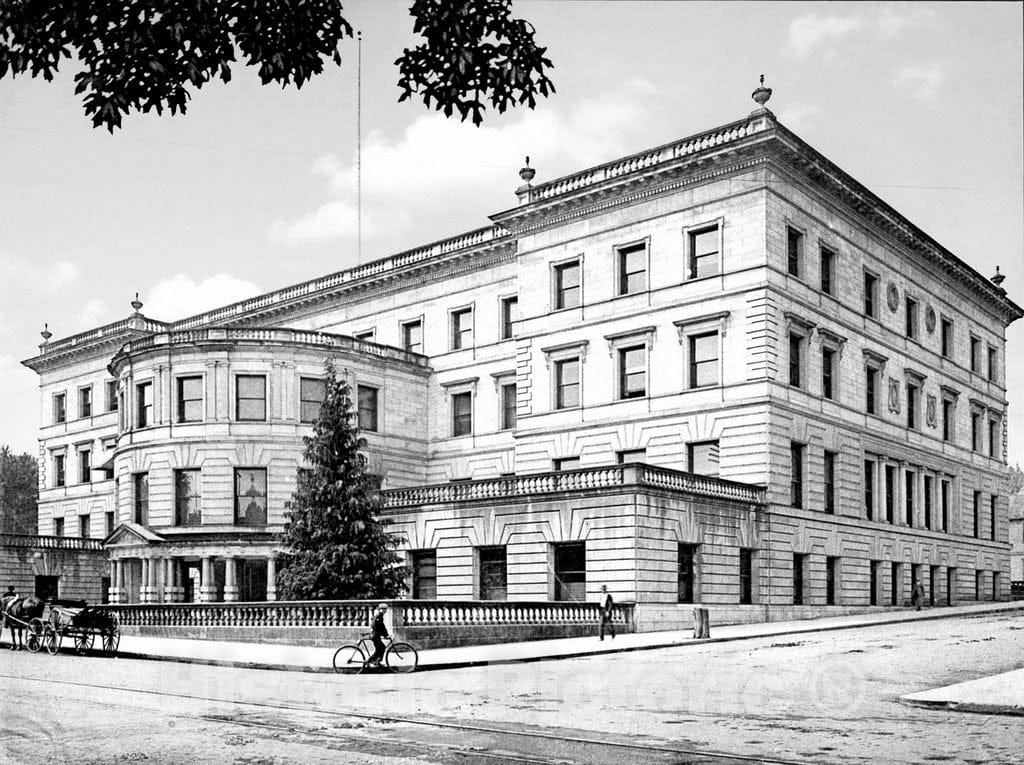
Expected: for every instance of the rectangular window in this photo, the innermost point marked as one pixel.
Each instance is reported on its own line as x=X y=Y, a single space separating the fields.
x=830 y=483
x=187 y=498
x=794 y=251
x=109 y=517
x=509 y=315
x=633 y=372
x=704 y=252
x=704 y=360
x=60 y=411
x=869 y=489
x=424 y=574
x=913 y=400
x=831 y=581
x=630 y=456
x=947 y=419
x=567 y=285
x=58 y=527
x=85 y=402
x=567 y=383
x=992 y=356
x=828 y=362
x=992 y=505
x=140 y=500
x=462 y=414
x=58 y=470
x=928 y=486
x=462 y=329
x=84 y=526
x=946 y=338
x=560 y=464
x=746 y=576
x=702 y=458
x=367 y=397
x=312 y=392
x=190 y=399
x=571 y=571
x=250 y=398
x=493 y=572
x=993 y=439
x=508 y=406
x=828 y=264
x=890 y=493
x=911 y=485
x=687 y=573
x=911 y=317
x=976 y=431
x=366 y=336
x=795 y=342
x=895 y=584
x=945 y=495
x=975 y=354
x=950 y=586
x=796 y=480
x=871 y=400
x=412 y=336
x=632 y=265
x=976 y=512
x=798 y=579
x=870 y=295
x=250 y=497
x=85 y=466
x=144 y=405
x=110 y=388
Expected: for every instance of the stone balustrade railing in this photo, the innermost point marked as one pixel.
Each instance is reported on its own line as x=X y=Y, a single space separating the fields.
x=50 y=543
x=357 y=614
x=614 y=476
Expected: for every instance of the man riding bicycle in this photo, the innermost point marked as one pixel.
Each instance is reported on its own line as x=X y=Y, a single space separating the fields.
x=379 y=632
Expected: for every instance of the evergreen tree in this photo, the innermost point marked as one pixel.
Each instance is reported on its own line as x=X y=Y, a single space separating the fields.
x=337 y=549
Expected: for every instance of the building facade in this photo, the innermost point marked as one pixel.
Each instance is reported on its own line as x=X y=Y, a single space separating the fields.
x=720 y=371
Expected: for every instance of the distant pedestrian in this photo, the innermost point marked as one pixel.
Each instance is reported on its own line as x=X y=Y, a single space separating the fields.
x=379 y=632
x=607 y=608
x=917 y=596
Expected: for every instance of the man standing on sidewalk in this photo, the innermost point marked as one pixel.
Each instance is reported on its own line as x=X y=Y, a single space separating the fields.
x=607 y=607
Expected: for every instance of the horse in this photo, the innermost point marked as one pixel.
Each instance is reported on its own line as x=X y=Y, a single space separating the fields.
x=17 y=613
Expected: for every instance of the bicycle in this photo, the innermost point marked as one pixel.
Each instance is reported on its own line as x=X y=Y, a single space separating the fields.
x=353 y=659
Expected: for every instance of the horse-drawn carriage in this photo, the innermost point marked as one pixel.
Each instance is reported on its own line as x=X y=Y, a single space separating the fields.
x=47 y=624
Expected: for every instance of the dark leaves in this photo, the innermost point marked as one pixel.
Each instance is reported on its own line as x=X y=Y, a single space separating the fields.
x=474 y=53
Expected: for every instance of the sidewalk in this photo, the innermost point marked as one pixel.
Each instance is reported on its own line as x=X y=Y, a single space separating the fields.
x=308 y=659
x=999 y=694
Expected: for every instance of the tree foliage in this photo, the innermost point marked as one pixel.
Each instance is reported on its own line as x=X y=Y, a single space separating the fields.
x=19 y=493
x=143 y=55
x=337 y=549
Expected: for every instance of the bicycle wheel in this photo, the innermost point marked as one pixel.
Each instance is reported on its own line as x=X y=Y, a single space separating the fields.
x=349 y=659
x=401 y=657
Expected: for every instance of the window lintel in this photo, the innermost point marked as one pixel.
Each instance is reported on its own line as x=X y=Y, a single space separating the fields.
x=831 y=339
x=462 y=382
x=695 y=324
x=949 y=393
x=621 y=339
x=799 y=322
x=914 y=375
x=874 y=358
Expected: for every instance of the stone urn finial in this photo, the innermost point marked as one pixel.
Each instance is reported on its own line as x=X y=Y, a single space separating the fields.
x=527 y=173
x=999 y=278
x=137 y=304
x=46 y=333
x=761 y=94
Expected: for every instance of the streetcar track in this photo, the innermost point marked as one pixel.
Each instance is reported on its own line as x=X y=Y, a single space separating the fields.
x=383 y=718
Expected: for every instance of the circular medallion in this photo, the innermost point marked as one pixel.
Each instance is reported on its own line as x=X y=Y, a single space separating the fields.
x=892 y=297
x=929 y=319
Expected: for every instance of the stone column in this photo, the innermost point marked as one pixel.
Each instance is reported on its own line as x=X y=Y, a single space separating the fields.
x=230 y=585
x=144 y=582
x=271 y=578
x=116 y=590
x=207 y=589
x=154 y=588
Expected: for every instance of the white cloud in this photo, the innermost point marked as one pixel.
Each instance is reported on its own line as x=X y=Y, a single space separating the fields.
x=920 y=82
x=61 y=275
x=179 y=296
x=441 y=162
x=798 y=115
x=810 y=30
x=92 y=314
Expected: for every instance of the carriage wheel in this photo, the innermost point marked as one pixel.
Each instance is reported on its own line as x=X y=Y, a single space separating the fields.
x=51 y=640
x=34 y=640
x=111 y=640
x=83 y=642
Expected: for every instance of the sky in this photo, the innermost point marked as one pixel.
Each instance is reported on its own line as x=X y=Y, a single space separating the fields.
x=254 y=188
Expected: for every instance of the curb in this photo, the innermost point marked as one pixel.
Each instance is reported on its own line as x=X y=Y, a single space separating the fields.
x=966 y=706
x=575 y=654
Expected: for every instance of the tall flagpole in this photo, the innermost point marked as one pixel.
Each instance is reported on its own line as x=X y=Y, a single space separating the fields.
x=359 y=145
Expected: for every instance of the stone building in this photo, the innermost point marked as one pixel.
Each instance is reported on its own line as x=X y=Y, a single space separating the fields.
x=719 y=371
